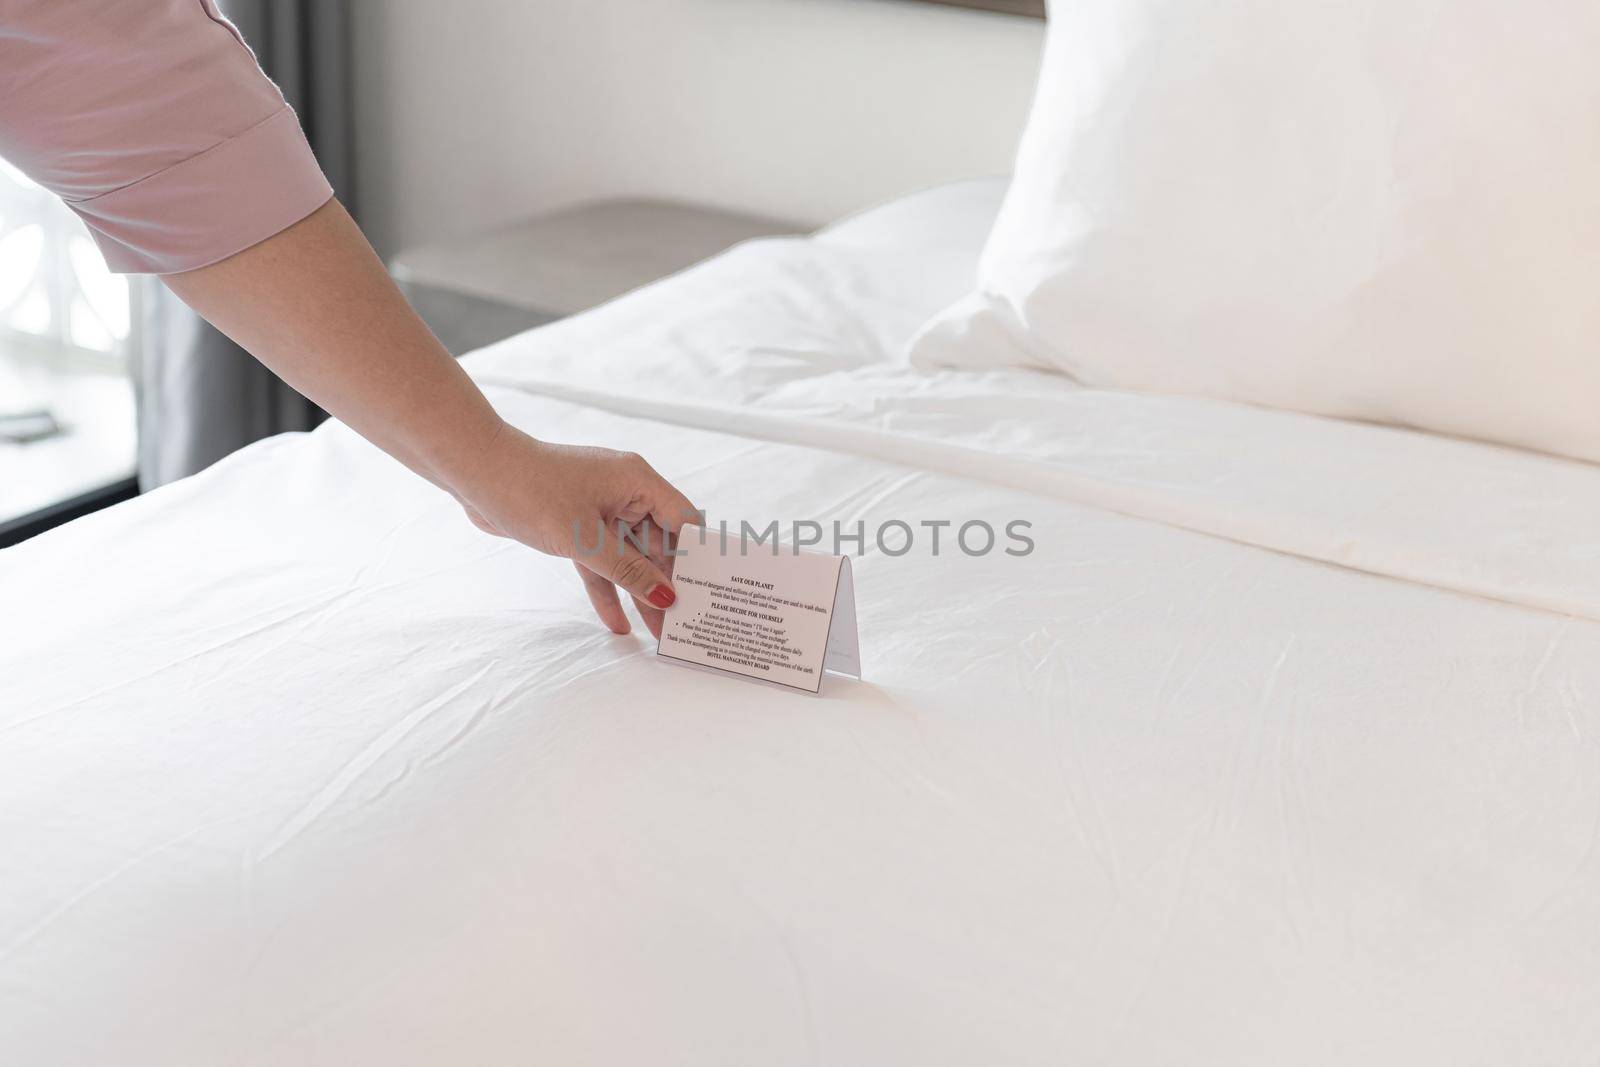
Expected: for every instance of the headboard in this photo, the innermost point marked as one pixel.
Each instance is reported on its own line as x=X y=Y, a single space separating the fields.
x=1031 y=8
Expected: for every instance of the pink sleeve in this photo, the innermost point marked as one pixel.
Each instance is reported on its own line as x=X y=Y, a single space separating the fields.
x=151 y=119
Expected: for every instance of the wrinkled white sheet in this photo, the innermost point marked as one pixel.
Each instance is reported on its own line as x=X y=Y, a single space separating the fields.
x=298 y=768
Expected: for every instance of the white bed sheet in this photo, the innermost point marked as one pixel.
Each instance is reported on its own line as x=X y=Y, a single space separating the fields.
x=297 y=767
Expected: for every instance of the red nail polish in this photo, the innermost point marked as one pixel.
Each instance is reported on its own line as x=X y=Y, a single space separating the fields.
x=662 y=597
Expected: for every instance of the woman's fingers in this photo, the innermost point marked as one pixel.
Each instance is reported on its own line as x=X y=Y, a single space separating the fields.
x=608 y=606
x=622 y=564
x=656 y=545
x=653 y=617
x=603 y=595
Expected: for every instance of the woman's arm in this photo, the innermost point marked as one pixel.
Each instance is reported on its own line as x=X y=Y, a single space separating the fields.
x=151 y=119
x=316 y=306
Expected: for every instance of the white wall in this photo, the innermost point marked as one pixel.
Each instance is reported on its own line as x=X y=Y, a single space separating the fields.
x=472 y=112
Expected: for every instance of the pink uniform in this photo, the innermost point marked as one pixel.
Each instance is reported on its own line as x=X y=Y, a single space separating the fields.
x=152 y=120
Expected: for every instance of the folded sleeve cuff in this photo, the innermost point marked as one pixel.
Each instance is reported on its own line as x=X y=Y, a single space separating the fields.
x=212 y=205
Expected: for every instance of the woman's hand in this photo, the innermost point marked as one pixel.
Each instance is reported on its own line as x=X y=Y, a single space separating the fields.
x=579 y=503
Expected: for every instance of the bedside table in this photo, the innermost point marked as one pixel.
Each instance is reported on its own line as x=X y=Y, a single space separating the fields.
x=478 y=290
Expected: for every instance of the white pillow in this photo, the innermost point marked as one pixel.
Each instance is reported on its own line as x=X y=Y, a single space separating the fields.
x=1374 y=209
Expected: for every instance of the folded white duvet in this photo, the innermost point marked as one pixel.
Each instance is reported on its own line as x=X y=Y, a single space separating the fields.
x=296 y=767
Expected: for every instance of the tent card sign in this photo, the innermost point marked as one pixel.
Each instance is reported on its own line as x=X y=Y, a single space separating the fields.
x=761 y=611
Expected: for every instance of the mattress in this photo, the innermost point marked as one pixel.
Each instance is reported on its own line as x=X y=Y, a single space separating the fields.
x=1281 y=746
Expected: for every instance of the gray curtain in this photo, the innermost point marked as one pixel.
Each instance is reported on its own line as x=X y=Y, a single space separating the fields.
x=200 y=395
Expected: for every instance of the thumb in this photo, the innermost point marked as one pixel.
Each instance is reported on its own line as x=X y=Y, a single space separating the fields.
x=633 y=572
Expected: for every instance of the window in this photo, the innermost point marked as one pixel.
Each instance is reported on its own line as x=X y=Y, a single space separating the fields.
x=67 y=334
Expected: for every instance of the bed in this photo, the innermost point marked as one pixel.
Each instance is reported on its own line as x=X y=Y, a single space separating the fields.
x=1280 y=747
